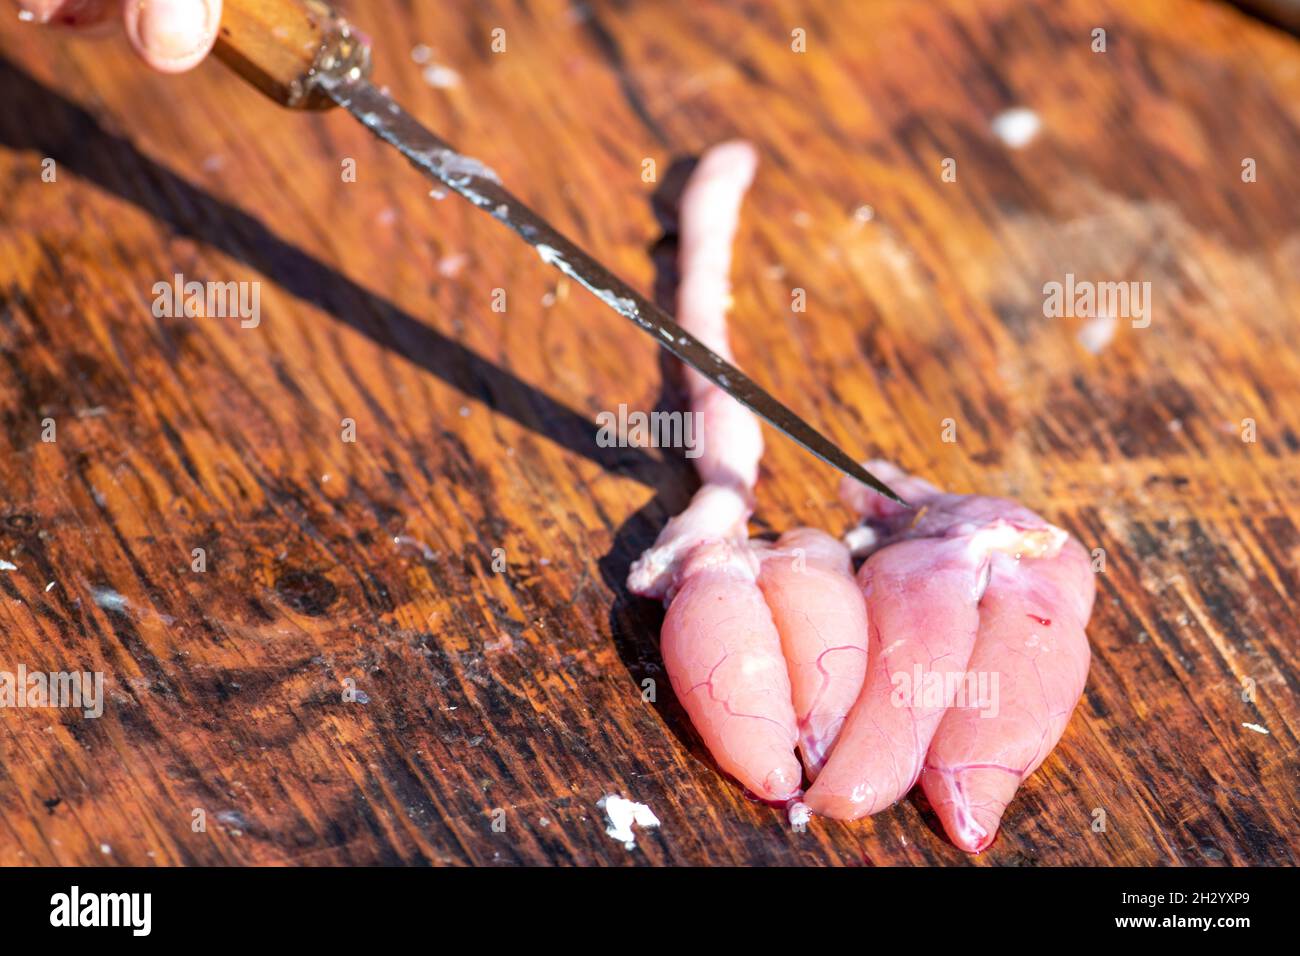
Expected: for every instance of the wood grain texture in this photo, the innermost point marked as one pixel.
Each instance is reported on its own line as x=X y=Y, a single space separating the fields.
x=520 y=690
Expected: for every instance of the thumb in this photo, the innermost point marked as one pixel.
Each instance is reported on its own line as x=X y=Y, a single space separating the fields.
x=172 y=35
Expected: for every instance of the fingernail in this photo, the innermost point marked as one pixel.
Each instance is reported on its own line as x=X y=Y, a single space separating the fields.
x=173 y=35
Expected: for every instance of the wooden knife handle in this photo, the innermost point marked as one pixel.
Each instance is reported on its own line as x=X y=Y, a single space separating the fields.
x=277 y=45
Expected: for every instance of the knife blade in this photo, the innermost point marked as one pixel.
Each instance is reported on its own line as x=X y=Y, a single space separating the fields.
x=338 y=70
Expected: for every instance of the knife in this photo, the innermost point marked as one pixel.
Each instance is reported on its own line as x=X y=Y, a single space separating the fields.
x=304 y=56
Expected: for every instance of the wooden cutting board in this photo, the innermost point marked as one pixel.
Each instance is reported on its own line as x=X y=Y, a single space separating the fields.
x=461 y=562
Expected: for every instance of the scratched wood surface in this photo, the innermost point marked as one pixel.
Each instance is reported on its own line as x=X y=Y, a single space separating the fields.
x=462 y=560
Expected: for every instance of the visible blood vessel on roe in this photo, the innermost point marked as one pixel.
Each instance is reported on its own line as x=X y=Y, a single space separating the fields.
x=921 y=601
x=953 y=659
x=807 y=580
x=978 y=760
x=973 y=588
x=739 y=611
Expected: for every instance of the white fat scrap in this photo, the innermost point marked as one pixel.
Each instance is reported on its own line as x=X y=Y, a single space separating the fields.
x=426 y=552
x=440 y=77
x=621 y=814
x=1256 y=727
x=799 y=814
x=449 y=267
x=109 y=599
x=8 y=566
x=1016 y=127
x=1010 y=538
x=1096 y=333
x=860 y=540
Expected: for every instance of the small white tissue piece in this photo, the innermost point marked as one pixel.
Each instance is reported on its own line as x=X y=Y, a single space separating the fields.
x=1016 y=127
x=1095 y=334
x=621 y=814
x=799 y=814
x=860 y=540
x=440 y=77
